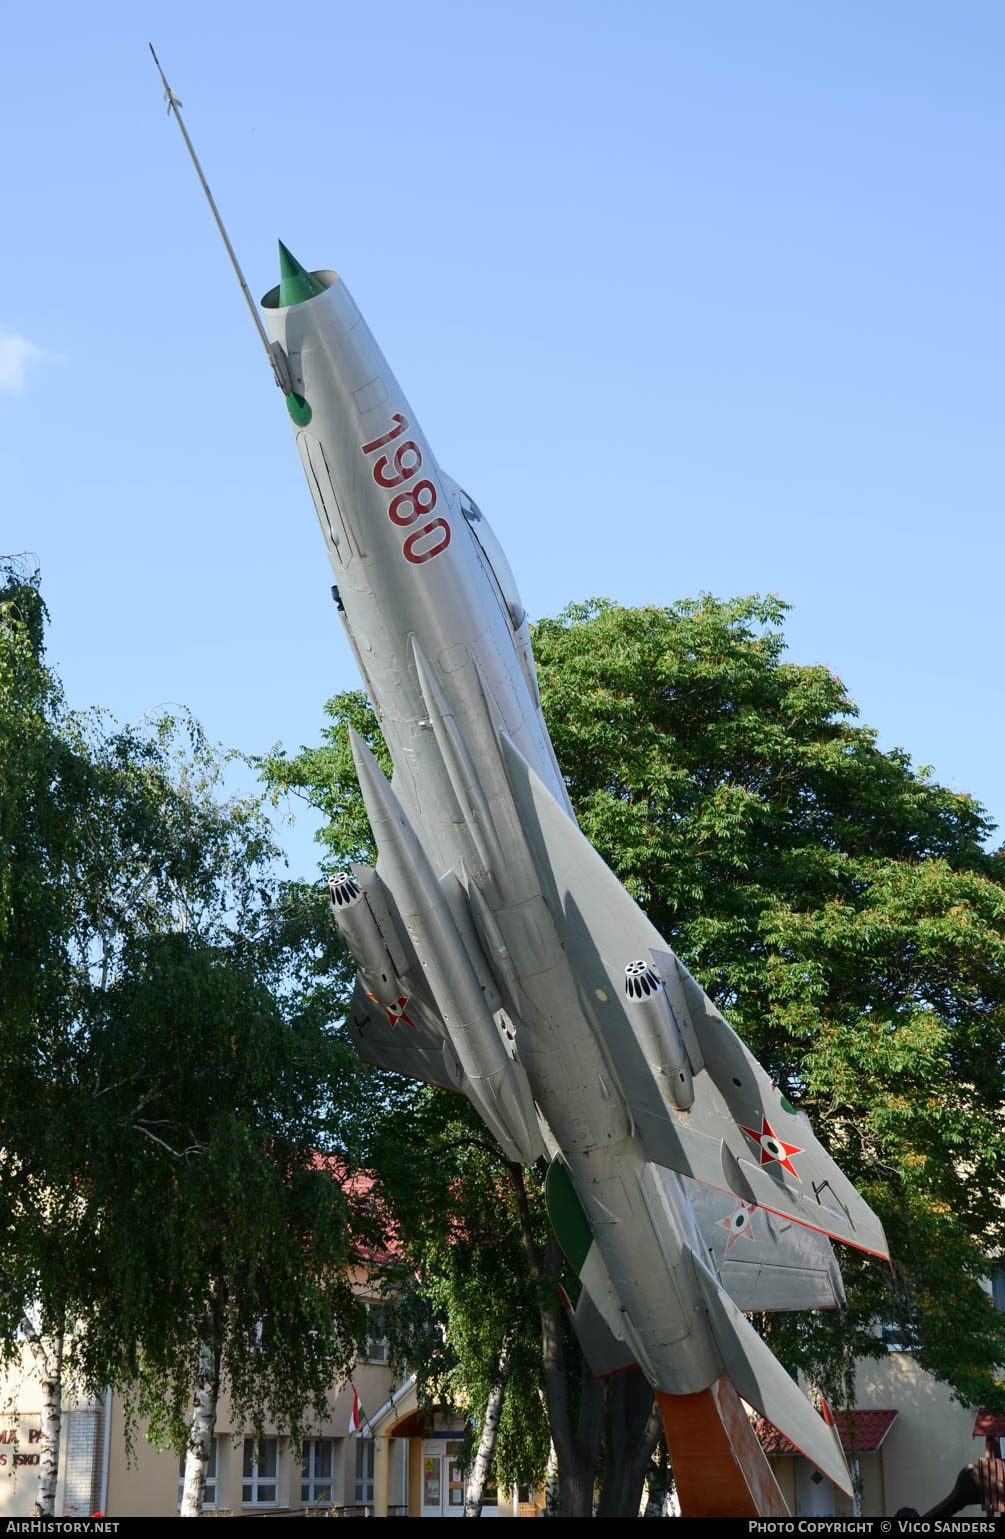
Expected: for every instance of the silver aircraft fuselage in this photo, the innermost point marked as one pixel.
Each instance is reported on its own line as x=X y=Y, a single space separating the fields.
x=405 y=557
x=408 y=565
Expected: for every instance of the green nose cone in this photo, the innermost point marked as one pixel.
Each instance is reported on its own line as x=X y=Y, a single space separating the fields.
x=295 y=283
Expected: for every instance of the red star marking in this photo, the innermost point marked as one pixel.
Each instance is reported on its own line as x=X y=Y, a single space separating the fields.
x=397 y=1012
x=738 y=1223
x=772 y=1147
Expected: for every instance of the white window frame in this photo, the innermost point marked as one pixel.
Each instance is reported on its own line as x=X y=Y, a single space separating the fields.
x=364 y=1466
x=376 y=1346
x=258 y=1478
x=212 y=1475
x=899 y=1337
x=310 y=1479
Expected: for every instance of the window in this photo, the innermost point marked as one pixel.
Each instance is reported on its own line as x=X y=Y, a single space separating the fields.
x=899 y=1335
x=376 y=1345
x=455 y=1475
x=998 y=1285
x=260 y=1472
x=376 y=1349
x=364 y=1472
x=316 y=1471
x=209 y=1495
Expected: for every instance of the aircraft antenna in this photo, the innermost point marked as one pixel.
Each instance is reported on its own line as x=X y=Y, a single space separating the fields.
x=173 y=105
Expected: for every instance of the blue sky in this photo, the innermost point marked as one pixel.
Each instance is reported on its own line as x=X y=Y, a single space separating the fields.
x=690 y=297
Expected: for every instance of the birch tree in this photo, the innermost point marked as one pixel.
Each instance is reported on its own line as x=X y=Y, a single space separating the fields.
x=474 y=1494
x=163 y=1010
x=44 y=1258
x=239 y=1270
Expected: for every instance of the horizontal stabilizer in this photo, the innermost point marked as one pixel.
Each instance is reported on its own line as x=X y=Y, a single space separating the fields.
x=765 y=1262
x=762 y=1381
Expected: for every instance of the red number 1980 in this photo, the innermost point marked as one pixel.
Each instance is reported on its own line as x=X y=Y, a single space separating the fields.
x=397 y=469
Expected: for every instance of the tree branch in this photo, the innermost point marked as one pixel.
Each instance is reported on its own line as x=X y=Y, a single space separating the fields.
x=178 y=1154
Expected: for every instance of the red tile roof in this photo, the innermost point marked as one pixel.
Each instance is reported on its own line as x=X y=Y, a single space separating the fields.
x=870 y=1428
x=988 y=1424
x=360 y=1185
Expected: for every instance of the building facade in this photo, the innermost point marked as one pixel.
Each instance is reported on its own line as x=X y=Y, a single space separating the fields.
x=397 y=1465
x=907 y=1443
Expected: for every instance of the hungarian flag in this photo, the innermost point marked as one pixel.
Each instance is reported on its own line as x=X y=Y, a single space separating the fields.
x=357 y=1416
x=566 y=1304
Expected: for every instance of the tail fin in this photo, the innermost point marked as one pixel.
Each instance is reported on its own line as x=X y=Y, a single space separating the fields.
x=762 y=1381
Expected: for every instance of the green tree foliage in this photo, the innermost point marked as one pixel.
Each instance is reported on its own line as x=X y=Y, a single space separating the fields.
x=169 y=1074
x=214 y=1104
x=44 y=936
x=325 y=778
x=32 y=822
x=108 y=836
x=454 y=1214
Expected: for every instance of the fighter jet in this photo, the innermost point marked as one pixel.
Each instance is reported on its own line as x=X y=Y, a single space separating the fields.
x=500 y=957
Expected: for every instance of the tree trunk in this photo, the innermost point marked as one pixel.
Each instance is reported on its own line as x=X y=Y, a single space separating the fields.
x=632 y=1427
x=577 y=1477
x=50 y=1360
x=487 y=1442
x=48 y=1355
x=202 y=1431
x=551 y=1484
x=576 y=1452
x=658 y=1483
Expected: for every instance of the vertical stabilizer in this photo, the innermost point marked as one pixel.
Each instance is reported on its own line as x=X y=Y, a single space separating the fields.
x=762 y=1381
